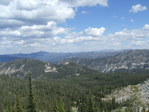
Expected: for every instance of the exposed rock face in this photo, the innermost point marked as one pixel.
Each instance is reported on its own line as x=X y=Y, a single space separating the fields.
x=11 y=69
x=139 y=94
x=144 y=89
x=22 y=67
x=126 y=61
x=49 y=68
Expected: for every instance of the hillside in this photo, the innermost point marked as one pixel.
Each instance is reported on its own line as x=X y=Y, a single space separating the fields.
x=73 y=82
x=134 y=61
x=73 y=90
x=21 y=67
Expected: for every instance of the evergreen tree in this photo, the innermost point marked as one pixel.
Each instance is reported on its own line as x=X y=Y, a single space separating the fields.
x=31 y=103
x=113 y=103
x=18 y=104
x=90 y=105
x=61 y=105
x=9 y=108
x=82 y=107
x=55 y=108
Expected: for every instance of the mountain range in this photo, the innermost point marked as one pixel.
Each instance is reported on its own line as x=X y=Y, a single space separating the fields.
x=56 y=57
x=20 y=68
x=134 y=61
x=74 y=64
x=5 y=58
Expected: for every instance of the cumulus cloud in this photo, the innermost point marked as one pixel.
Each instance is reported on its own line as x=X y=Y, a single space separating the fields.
x=42 y=11
x=36 y=11
x=94 y=31
x=34 y=31
x=35 y=22
x=50 y=25
x=146 y=27
x=76 y=3
x=33 y=25
x=137 y=8
x=5 y=2
x=74 y=41
x=137 y=38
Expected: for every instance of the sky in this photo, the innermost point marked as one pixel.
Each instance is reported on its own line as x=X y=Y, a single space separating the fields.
x=73 y=25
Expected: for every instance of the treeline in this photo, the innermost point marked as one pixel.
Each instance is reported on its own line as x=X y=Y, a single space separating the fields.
x=73 y=94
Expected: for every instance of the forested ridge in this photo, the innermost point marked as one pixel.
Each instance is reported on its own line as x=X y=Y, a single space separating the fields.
x=80 y=93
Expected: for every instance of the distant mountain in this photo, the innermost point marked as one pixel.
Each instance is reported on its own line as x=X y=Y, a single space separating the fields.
x=22 y=67
x=56 y=57
x=5 y=58
x=134 y=61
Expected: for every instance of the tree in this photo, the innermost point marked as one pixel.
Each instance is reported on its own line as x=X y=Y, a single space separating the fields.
x=61 y=105
x=10 y=108
x=31 y=104
x=18 y=104
x=90 y=105
x=55 y=108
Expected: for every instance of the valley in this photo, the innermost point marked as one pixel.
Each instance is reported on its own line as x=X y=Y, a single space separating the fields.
x=115 y=81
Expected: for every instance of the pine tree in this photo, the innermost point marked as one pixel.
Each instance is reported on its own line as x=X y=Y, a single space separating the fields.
x=18 y=104
x=61 y=105
x=82 y=107
x=90 y=105
x=31 y=104
x=113 y=103
x=55 y=108
x=9 y=108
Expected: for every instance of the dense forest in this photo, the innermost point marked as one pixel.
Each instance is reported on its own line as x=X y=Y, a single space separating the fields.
x=71 y=94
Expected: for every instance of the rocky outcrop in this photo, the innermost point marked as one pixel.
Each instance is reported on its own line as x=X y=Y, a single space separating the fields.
x=138 y=94
x=49 y=68
x=135 y=61
x=21 y=68
x=39 y=69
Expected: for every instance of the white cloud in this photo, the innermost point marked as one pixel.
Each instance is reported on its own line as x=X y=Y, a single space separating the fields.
x=33 y=25
x=76 y=3
x=35 y=31
x=81 y=39
x=37 y=10
x=5 y=2
x=137 y=8
x=74 y=34
x=20 y=42
x=59 y=30
x=137 y=38
x=146 y=27
x=131 y=20
x=94 y=31
x=138 y=43
x=49 y=25
x=84 y=12
x=42 y=11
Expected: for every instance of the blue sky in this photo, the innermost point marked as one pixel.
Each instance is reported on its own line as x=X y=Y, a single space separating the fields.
x=73 y=26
